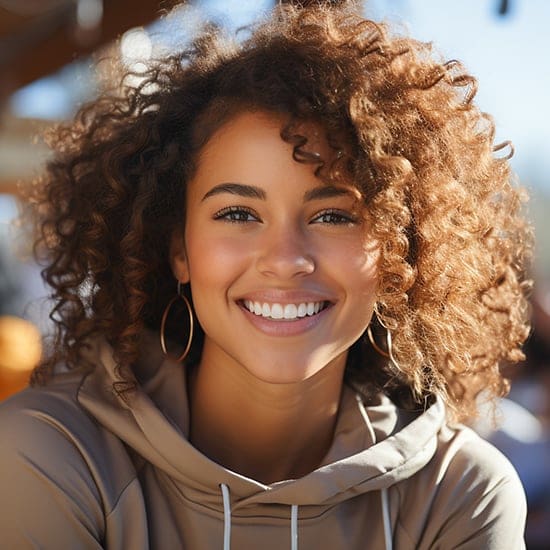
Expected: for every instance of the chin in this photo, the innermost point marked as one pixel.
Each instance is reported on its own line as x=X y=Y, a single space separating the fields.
x=290 y=371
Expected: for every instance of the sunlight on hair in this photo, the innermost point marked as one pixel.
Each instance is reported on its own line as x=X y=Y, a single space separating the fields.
x=135 y=46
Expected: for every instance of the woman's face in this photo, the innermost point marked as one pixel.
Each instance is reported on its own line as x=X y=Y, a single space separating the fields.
x=282 y=273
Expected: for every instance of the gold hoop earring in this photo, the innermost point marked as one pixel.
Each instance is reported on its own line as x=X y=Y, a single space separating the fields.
x=374 y=344
x=389 y=343
x=163 y=323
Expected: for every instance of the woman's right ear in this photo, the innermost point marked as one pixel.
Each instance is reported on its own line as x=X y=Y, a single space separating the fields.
x=178 y=258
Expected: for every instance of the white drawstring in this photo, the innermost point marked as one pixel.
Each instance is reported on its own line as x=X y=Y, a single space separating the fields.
x=226 y=517
x=294 y=527
x=294 y=508
x=365 y=416
x=227 y=521
x=386 y=519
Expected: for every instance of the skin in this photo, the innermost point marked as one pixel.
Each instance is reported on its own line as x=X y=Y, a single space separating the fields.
x=262 y=228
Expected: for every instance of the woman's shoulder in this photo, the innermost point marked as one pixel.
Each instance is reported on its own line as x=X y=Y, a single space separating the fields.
x=51 y=408
x=59 y=469
x=467 y=458
x=47 y=422
x=472 y=494
x=34 y=404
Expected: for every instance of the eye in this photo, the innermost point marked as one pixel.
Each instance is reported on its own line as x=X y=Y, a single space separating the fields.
x=236 y=214
x=335 y=217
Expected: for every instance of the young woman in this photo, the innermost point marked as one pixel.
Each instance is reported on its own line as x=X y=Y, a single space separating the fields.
x=284 y=272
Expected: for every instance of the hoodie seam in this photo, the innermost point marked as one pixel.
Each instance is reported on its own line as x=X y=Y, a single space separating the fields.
x=117 y=500
x=398 y=522
x=108 y=509
x=57 y=424
x=404 y=531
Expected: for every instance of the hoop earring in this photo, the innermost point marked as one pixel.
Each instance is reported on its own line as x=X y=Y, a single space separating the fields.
x=388 y=354
x=163 y=323
x=374 y=344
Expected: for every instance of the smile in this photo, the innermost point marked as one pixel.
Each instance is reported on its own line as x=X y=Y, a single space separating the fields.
x=284 y=311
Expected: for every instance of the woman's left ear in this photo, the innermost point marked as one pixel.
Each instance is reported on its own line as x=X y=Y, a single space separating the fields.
x=178 y=259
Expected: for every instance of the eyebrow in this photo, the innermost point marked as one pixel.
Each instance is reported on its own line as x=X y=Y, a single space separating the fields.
x=240 y=189
x=253 y=192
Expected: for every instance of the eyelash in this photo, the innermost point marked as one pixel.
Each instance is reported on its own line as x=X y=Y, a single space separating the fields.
x=338 y=217
x=241 y=214
x=234 y=214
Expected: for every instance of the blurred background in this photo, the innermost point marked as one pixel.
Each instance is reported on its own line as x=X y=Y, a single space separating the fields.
x=51 y=55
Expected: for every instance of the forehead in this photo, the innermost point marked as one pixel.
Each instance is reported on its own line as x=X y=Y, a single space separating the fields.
x=248 y=149
x=255 y=136
x=257 y=124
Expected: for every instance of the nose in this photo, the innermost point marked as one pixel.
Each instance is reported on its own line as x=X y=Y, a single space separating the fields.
x=285 y=254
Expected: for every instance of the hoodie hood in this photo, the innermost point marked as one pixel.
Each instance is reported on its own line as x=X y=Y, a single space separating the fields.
x=374 y=446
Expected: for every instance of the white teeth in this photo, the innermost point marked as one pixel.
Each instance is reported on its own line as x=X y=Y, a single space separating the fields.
x=280 y=311
x=277 y=311
x=291 y=311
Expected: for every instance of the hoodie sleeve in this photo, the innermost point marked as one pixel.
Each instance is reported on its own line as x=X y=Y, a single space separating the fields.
x=48 y=497
x=478 y=501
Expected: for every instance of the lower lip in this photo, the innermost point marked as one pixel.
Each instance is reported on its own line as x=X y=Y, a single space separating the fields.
x=285 y=327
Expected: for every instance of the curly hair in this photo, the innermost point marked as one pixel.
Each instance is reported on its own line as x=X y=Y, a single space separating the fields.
x=441 y=202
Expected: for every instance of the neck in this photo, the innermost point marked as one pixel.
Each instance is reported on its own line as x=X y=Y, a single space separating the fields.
x=268 y=432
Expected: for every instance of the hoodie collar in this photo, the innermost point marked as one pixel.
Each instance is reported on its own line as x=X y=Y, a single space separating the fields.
x=370 y=450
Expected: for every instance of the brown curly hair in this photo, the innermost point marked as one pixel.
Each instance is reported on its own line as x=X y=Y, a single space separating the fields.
x=454 y=240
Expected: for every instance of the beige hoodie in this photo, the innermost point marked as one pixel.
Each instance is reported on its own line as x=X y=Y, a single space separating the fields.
x=79 y=468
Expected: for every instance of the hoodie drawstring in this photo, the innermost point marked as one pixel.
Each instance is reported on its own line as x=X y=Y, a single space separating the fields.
x=226 y=517
x=294 y=527
x=227 y=521
x=386 y=518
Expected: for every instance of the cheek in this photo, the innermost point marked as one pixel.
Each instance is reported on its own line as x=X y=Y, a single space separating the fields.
x=214 y=260
x=368 y=277
x=359 y=266
x=364 y=284
x=361 y=278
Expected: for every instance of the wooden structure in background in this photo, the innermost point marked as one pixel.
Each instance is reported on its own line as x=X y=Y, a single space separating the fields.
x=40 y=38
x=37 y=38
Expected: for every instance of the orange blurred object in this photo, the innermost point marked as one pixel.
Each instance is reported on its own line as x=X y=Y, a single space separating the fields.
x=20 y=351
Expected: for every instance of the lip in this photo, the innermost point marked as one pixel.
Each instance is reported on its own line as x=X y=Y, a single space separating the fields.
x=285 y=327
